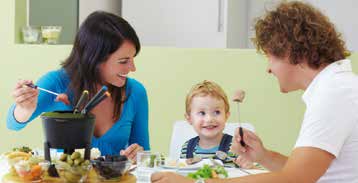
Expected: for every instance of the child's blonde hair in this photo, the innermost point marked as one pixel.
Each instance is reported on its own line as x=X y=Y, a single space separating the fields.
x=205 y=88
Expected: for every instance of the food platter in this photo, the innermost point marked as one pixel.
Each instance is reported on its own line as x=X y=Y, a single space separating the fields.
x=18 y=166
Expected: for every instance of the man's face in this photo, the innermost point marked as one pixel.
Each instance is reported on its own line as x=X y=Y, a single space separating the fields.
x=285 y=72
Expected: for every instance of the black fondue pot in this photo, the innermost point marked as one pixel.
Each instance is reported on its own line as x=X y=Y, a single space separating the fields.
x=68 y=131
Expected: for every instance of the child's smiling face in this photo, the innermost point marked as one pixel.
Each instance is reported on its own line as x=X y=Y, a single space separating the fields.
x=207 y=116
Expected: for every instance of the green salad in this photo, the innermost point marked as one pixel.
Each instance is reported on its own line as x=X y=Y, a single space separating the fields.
x=207 y=172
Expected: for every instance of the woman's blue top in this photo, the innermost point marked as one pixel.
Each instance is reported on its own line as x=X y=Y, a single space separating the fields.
x=131 y=127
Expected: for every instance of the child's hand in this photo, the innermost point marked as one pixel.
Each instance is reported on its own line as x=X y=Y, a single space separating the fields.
x=244 y=163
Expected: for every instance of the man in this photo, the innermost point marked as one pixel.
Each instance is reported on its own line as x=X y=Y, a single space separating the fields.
x=305 y=53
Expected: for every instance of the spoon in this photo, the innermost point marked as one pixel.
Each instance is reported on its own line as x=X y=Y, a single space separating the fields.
x=195 y=159
x=224 y=157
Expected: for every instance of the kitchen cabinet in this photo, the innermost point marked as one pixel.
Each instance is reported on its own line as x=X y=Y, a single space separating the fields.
x=188 y=23
x=180 y=23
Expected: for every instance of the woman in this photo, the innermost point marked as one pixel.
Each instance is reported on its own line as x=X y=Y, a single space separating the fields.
x=103 y=54
x=304 y=53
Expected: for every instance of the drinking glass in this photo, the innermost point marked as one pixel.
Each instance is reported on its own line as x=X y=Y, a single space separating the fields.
x=51 y=34
x=30 y=34
x=147 y=163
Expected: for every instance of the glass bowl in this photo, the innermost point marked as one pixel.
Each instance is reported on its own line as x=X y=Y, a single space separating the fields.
x=51 y=34
x=73 y=174
x=29 y=171
x=111 y=170
x=31 y=34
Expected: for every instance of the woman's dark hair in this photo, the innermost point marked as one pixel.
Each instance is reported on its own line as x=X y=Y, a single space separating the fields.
x=299 y=31
x=100 y=35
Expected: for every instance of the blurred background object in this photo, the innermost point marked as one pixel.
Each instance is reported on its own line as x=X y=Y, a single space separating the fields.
x=51 y=34
x=31 y=34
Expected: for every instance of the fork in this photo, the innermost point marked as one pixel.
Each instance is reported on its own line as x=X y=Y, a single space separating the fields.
x=223 y=156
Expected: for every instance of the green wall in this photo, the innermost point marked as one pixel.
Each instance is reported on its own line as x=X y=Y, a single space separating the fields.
x=20 y=18
x=168 y=74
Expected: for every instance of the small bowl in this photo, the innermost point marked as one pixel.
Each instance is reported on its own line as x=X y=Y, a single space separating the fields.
x=31 y=34
x=111 y=170
x=75 y=174
x=51 y=34
x=31 y=172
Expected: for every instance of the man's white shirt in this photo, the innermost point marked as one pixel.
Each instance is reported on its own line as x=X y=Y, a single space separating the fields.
x=331 y=120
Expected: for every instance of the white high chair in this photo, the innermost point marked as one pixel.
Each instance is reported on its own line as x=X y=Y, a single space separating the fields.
x=183 y=131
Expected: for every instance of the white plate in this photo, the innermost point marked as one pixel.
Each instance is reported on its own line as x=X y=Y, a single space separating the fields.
x=236 y=172
x=195 y=166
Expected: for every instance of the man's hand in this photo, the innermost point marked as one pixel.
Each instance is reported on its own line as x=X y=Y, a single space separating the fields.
x=253 y=151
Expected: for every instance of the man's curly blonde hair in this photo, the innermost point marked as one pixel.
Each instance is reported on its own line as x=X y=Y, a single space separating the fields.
x=299 y=31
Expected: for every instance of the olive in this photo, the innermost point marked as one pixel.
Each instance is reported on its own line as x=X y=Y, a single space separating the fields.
x=77 y=162
x=70 y=162
x=75 y=155
x=68 y=157
x=63 y=157
x=86 y=162
x=122 y=158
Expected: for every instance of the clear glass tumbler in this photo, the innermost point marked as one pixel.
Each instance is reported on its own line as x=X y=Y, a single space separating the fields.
x=30 y=34
x=147 y=163
x=51 y=34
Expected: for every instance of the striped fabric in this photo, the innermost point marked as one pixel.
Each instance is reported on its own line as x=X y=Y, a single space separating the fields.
x=206 y=153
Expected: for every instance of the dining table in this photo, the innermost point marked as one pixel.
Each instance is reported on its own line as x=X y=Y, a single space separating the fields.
x=7 y=177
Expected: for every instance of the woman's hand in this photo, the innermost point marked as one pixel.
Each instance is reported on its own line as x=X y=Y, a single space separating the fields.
x=169 y=177
x=131 y=151
x=254 y=151
x=26 y=100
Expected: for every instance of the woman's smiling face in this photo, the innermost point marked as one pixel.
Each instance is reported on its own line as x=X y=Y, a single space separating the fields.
x=115 y=69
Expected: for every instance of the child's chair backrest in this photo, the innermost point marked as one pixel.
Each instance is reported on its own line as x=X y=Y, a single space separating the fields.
x=183 y=131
